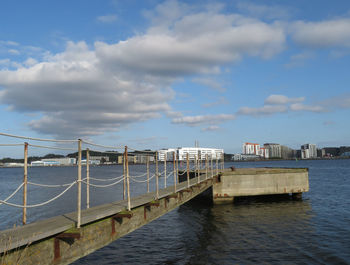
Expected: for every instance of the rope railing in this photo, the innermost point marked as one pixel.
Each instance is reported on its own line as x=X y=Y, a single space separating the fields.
x=197 y=164
x=102 y=186
x=37 y=139
x=51 y=147
x=11 y=144
x=101 y=145
x=39 y=204
x=12 y=194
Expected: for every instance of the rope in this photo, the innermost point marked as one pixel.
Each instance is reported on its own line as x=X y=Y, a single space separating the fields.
x=52 y=147
x=102 y=186
x=100 y=145
x=38 y=139
x=39 y=204
x=11 y=144
x=142 y=181
x=9 y=197
x=48 y=185
x=140 y=176
x=106 y=179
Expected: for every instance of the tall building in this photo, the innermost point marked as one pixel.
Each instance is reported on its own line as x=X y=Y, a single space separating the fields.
x=287 y=153
x=308 y=151
x=275 y=150
x=251 y=149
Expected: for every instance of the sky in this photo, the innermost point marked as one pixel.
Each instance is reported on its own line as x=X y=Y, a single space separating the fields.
x=160 y=74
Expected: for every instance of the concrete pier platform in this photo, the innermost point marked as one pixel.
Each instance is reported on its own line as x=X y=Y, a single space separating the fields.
x=237 y=182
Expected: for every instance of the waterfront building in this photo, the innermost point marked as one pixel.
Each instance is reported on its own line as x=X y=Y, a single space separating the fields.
x=251 y=149
x=308 y=151
x=193 y=153
x=275 y=150
x=64 y=161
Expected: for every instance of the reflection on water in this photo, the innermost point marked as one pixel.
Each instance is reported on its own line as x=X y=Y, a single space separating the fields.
x=266 y=230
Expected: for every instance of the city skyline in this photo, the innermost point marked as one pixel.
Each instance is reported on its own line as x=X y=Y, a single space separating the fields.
x=161 y=74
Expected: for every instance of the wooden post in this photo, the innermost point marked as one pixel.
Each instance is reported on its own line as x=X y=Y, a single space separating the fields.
x=157 y=180
x=223 y=161
x=25 y=182
x=206 y=166
x=174 y=160
x=177 y=168
x=188 y=171
x=165 y=169
x=87 y=178
x=124 y=177
x=147 y=162
x=199 y=167
x=79 y=185
x=212 y=169
x=217 y=165
x=127 y=178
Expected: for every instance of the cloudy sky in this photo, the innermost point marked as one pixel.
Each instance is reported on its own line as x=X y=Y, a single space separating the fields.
x=153 y=74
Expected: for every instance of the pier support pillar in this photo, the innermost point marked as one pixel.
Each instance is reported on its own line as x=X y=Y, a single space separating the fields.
x=219 y=199
x=297 y=196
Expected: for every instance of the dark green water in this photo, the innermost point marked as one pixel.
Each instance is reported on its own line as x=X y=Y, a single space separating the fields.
x=315 y=230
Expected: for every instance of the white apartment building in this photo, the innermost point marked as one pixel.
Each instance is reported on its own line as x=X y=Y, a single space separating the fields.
x=251 y=149
x=308 y=151
x=193 y=153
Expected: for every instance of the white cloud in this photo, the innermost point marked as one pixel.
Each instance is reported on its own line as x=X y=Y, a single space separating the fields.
x=13 y=52
x=107 y=18
x=303 y=107
x=203 y=119
x=323 y=34
x=209 y=82
x=220 y=101
x=281 y=99
x=299 y=59
x=211 y=128
x=83 y=91
x=264 y=11
x=274 y=104
x=265 y=110
x=8 y=43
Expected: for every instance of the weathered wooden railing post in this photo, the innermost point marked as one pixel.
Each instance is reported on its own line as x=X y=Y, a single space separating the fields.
x=165 y=158
x=124 y=176
x=195 y=166
x=217 y=165
x=147 y=162
x=212 y=169
x=199 y=168
x=157 y=180
x=174 y=161
x=127 y=177
x=79 y=185
x=87 y=178
x=25 y=183
x=223 y=161
x=206 y=166
x=177 y=168
x=188 y=171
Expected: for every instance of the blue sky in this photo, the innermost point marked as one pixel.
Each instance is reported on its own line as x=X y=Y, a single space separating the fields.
x=154 y=74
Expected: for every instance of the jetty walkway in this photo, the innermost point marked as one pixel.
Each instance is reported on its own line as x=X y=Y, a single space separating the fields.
x=65 y=238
